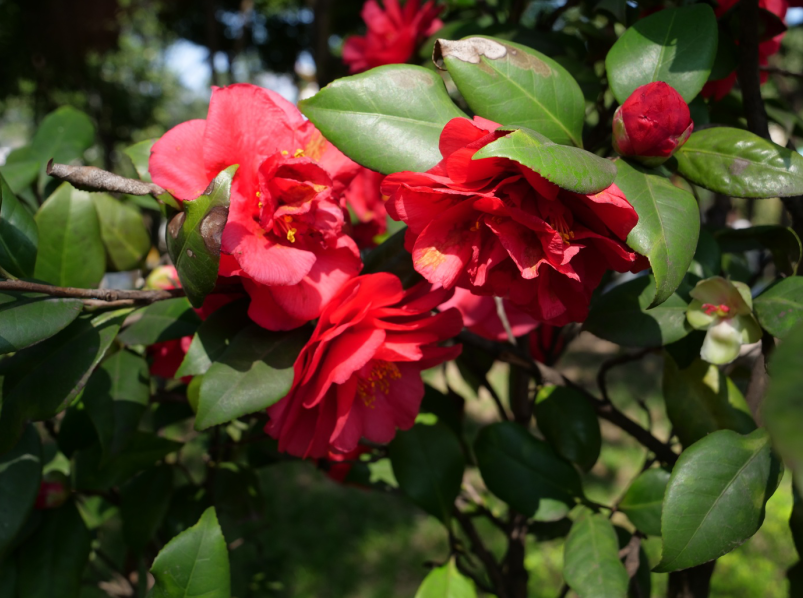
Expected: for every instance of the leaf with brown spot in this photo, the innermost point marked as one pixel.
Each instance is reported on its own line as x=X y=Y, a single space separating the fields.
x=193 y=237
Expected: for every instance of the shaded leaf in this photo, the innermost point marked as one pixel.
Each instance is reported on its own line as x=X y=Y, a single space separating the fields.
x=715 y=498
x=707 y=260
x=143 y=506
x=428 y=464
x=21 y=169
x=591 y=565
x=193 y=237
x=122 y=231
x=161 y=321
x=388 y=119
x=675 y=45
x=569 y=423
x=780 y=308
x=20 y=472
x=27 y=318
x=668 y=225
x=19 y=236
x=643 y=500
x=782 y=242
x=63 y=136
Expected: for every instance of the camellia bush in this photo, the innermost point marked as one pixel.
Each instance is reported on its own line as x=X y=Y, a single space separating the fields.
x=302 y=282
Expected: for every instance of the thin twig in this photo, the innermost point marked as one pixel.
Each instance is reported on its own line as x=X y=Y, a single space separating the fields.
x=774 y=70
x=500 y=311
x=91 y=178
x=496 y=398
x=609 y=364
x=543 y=373
x=478 y=547
x=473 y=576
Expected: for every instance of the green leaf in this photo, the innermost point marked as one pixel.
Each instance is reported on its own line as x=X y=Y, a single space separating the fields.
x=701 y=399
x=194 y=563
x=52 y=561
x=388 y=119
x=122 y=231
x=525 y=472
x=143 y=505
x=19 y=236
x=255 y=371
x=42 y=380
x=446 y=582
x=782 y=242
x=21 y=169
x=738 y=163
x=63 y=136
x=642 y=501
x=27 y=318
x=161 y=321
x=115 y=398
x=515 y=85
x=675 y=45
x=193 y=237
x=8 y=578
x=622 y=316
x=70 y=248
x=20 y=472
x=707 y=260
x=668 y=225
x=568 y=167
x=780 y=308
x=90 y=473
x=140 y=155
x=428 y=464
x=213 y=338
x=569 y=423
x=591 y=565
x=715 y=498
x=783 y=406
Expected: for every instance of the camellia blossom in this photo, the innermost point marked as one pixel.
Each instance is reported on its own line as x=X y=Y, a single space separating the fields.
x=498 y=228
x=652 y=124
x=481 y=317
x=359 y=375
x=725 y=309
x=284 y=234
x=365 y=199
x=393 y=33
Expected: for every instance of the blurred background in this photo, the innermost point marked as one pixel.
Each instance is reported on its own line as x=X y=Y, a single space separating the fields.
x=139 y=67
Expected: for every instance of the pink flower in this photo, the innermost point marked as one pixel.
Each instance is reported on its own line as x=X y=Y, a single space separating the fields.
x=284 y=233
x=365 y=199
x=480 y=315
x=359 y=375
x=393 y=33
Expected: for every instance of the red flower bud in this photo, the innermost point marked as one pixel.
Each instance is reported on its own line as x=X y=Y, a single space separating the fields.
x=53 y=491
x=652 y=124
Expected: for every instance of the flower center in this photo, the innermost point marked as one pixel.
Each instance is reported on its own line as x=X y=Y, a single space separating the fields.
x=377 y=382
x=720 y=310
x=558 y=222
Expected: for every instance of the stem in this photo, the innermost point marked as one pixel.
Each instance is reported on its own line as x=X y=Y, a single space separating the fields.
x=91 y=178
x=691 y=583
x=613 y=362
x=747 y=72
x=478 y=548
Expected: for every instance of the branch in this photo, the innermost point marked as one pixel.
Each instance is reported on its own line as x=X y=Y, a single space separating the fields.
x=613 y=362
x=478 y=547
x=90 y=178
x=606 y=411
x=774 y=70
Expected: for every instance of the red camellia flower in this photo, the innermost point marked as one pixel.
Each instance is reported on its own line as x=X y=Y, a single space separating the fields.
x=481 y=317
x=652 y=124
x=393 y=33
x=365 y=199
x=497 y=228
x=359 y=375
x=284 y=231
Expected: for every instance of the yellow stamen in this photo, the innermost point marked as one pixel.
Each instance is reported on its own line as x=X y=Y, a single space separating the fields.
x=299 y=153
x=475 y=227
x=378 y=381
x=285 y=152
x=258 y=194
x=288 y=218
x=291 y=235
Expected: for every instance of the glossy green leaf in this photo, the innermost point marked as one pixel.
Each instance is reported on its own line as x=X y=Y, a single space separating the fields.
x=115 y=399
x=622 y=316
x=568 y=167
x=515 y=85
x=780 y=308
x=388 y=119
x=52 y=561
x=20 y=472
x=591 y=565
x=738 y=163
x=781 y=241
x=668 y=225
x=675 y=45
x=569 y=423
x=70 y=247
x=213 y=338
x=122 y=231
x=255 y=371
x=446 y=581
x=783 y=406
x=27 y=318
x=715 y=498
x=700 y=399
x=194 y=563
x=91 y=473
x=143 y=505
x=525 y=472
x=193 y=237
x=161 y=321
x=19 y=236
x=21 y=168
x=643 y=499
x=428 y=464
x=63 y=136
x=42 y=380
